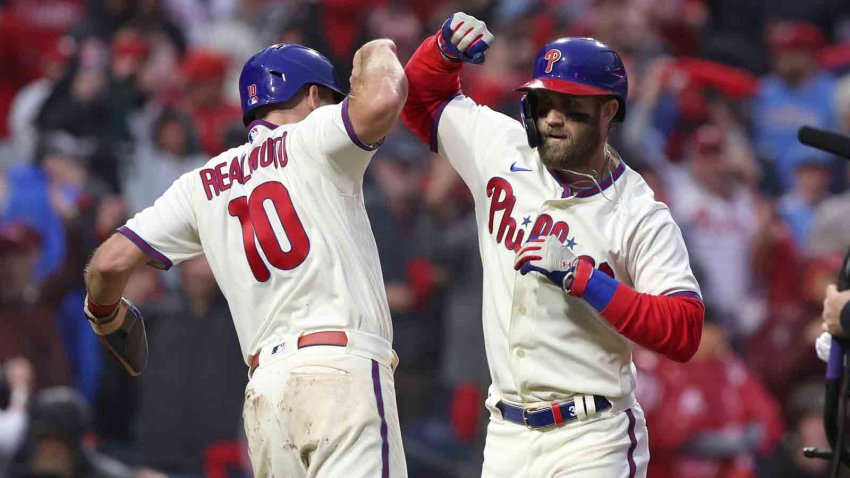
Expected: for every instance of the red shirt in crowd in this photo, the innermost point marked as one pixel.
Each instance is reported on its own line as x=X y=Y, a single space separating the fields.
x=714 y=394
x=29 y=29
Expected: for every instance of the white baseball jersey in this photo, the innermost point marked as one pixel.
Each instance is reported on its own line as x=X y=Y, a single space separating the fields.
x=282 y=222
x=543 y=345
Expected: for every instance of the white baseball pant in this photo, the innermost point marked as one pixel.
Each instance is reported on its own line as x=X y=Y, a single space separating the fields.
x=612 y=445
x=325 y=411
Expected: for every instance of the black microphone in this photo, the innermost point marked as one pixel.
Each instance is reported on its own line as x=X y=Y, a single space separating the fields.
x=835 y=143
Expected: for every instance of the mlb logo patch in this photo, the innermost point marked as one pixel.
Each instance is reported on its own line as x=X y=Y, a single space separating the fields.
x=277 y=348
x=253 y=133
x=252 y=94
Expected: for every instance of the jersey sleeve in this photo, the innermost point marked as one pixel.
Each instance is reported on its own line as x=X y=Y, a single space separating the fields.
x=327 y=135
x=467 y=132
x=448 y=122
x=658 y=260
x=168 y=230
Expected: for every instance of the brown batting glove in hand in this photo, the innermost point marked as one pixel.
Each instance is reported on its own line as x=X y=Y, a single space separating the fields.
x=122 y=333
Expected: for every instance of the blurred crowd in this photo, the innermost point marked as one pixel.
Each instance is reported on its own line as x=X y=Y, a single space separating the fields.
x=103 y=103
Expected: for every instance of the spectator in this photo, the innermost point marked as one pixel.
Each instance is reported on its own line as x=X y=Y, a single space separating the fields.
x=172 y=151
x=830 y=230
x=80 y=105
x=178 y=428
x=104 y=18
x=59 y=423
x=195 y=16
x=716 y=214
x=779 y=352
x=797 y=92
x=153 y=20
x=16 y=378
x=106 y=96
x=804 y=411
x=455 y=426
x=708 y=418
x=29 y=329
x=397 y=21
x=204 y=73
x=29 y=29
x=30 y=99
x=50 y=192
x=810 y=187
x=250 y=28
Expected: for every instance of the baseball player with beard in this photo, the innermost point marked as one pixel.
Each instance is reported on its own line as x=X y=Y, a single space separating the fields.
x=282 y=222
x=580 y=261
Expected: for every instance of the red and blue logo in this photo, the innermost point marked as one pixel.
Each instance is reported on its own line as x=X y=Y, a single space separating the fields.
x=252 y=94
x=551 y=57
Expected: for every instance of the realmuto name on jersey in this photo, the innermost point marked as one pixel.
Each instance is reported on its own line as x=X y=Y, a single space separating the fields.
x=221 y=177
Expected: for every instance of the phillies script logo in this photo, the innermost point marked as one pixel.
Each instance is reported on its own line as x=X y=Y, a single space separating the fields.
x=551 y=57
x=502 y=200
x=507 y=232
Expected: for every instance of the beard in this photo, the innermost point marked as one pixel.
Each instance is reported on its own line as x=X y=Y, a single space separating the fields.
x=574 y=153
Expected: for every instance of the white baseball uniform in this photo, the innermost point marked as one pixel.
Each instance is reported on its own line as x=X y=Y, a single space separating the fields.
x=282 y=222
x=544 y=346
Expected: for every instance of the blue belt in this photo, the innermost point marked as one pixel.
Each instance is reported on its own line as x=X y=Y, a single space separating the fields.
x=556 y=414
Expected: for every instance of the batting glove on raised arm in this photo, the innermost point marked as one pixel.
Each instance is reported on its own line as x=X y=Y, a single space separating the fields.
x=549 y=257
x=464 y=38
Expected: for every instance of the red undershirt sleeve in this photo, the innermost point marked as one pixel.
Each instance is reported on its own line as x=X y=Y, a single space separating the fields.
x=667 y=324
x=432 y=82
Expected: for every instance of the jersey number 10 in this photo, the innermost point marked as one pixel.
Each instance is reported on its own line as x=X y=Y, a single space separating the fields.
x=256 y=224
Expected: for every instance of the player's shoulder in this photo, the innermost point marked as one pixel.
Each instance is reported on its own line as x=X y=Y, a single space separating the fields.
x=323 y=113
x=636 y=194
x=314 y=126
x=638 y=202
x=493 y=120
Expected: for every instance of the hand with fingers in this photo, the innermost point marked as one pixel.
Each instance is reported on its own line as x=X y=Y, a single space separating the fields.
x=547 y=256
x=464 y=38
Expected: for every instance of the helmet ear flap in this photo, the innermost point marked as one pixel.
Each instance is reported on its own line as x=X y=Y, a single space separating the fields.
x=528 y=115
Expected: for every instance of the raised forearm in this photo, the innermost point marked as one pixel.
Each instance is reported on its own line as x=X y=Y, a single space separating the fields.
x=378 y=90
x=433 y=82
x=377 y=72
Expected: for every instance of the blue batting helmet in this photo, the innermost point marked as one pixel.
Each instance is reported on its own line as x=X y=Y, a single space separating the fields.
x=581 y=67
x=275 y=74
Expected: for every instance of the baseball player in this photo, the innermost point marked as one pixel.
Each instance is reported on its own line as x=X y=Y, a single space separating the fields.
x=579 y=259
x=282 y=222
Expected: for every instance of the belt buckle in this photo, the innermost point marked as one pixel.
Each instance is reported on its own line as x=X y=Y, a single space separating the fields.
x=525 y=417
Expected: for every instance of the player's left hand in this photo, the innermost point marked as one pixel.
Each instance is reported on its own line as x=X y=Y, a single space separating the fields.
x=549 y=257
x=464 y=38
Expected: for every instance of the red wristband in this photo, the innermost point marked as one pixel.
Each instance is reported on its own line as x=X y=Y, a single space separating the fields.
x=101 y=310
x=582 y=277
